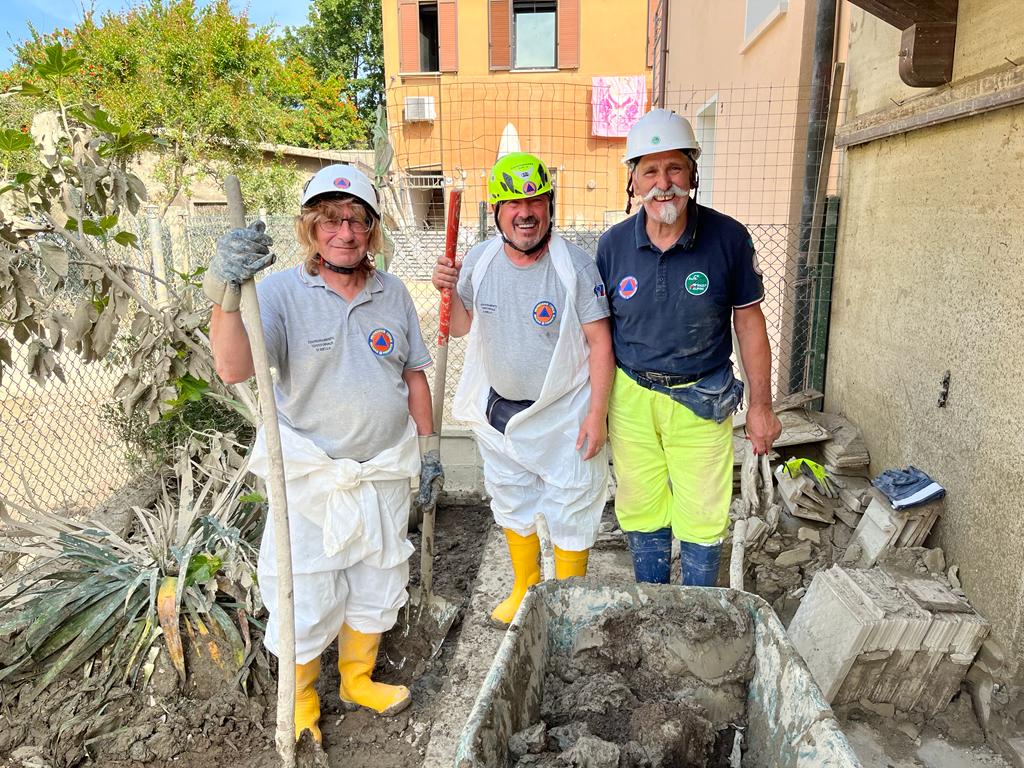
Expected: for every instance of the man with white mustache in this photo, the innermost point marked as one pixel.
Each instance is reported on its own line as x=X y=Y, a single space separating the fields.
x=537 y=375
x=680 y=277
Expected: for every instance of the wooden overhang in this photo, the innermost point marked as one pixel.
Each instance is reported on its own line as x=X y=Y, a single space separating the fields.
x=929 y=37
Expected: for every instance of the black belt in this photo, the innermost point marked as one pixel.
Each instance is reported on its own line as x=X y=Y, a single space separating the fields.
x=663 y=379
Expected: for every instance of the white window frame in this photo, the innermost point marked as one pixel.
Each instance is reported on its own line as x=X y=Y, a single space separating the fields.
x=514 y=30
x=774 y=10
x=706 y=128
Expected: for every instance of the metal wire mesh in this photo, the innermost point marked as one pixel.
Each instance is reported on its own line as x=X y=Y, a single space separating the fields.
x=59 y=441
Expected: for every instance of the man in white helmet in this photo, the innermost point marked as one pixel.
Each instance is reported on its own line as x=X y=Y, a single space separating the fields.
x=344 y=340
x=680 y=276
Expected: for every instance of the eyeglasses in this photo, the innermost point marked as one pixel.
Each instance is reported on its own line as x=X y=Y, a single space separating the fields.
x=358 y=226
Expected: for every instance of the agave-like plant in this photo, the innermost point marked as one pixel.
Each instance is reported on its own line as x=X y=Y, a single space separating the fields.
x=83 y=595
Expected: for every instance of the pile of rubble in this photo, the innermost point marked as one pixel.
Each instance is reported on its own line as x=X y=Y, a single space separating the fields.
x=881 y=621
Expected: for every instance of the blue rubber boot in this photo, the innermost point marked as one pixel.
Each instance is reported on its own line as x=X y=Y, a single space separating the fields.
x=699 y=563
x=652 y=555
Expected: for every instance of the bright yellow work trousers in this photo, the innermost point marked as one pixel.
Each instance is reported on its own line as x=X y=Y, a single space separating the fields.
x=655 y=441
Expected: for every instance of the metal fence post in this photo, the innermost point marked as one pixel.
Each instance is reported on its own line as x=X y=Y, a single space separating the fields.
x=821 y=308
x=156 y=249
x=482 y=226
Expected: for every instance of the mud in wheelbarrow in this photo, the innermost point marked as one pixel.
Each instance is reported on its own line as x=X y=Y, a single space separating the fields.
x=649 y=675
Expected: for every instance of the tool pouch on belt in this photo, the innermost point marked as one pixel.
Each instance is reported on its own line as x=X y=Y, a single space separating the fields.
x=500 y=410
x=713 y=397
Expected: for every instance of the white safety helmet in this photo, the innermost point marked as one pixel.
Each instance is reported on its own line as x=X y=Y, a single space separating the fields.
x=660 y=130
x=346 y=179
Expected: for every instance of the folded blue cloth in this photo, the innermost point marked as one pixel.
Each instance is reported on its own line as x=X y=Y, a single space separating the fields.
x=908 y=487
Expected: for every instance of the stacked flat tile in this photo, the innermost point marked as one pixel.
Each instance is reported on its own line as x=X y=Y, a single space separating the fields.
x=881 y=527
x=844 y=451
x=887 y=638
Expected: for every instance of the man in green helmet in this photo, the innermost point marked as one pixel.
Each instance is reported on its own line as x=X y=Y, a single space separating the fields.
x=537 y=374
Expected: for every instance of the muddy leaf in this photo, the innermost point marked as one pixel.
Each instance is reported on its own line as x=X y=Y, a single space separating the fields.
x=54 y=257
x=139 y=323
x=104 y=332
x=167 y=610
x=81 y=321
x=122 y=387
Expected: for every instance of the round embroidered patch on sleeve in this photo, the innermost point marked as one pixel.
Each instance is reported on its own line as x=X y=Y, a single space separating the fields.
x=544 y=313
x=628 y=287
x=381 y=341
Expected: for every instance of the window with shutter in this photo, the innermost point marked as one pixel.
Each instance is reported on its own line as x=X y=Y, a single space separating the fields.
x=447 y=28
x=427 y=36
x=408 y=36
x=534 y=34
x=652 y=12
x=500 y=34
x=568 y=34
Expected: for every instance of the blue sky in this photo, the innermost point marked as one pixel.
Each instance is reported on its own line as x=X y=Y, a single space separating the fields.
x=47 y=15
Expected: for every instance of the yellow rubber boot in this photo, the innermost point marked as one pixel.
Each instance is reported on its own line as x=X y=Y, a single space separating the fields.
x=307 y=703
x=525 y=553
x=357 y=654
x=570 y=563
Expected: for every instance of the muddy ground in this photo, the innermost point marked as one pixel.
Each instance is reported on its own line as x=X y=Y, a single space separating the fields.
x=230 y=730
x=645 y=687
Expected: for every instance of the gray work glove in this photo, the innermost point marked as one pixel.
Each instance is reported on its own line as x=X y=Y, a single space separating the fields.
x=240 y=254
x=431 y=471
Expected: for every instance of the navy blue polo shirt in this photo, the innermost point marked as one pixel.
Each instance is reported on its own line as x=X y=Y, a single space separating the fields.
x=672 y=310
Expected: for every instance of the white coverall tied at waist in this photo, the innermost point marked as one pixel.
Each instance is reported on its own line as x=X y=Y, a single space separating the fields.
x=534 y=466
x=349 y=530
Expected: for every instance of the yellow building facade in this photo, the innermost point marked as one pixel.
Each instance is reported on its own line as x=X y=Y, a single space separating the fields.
x=467 y=78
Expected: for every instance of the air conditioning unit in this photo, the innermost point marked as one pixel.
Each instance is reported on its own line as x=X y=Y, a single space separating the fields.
x=419 y=109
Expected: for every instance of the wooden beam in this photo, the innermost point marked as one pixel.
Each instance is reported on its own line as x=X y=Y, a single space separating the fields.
x=926 y=57
x=929 y=37
x=966 y=98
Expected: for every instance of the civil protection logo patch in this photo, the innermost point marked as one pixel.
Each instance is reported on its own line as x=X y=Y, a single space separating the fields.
x=381 y=342
x=342 y=183
x=696 y=283
x=544 y=313
x=529 y=188
x=628 y=287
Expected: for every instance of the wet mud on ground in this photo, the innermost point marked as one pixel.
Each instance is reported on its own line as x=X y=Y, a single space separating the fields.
x=644 y=687
x=229 y=730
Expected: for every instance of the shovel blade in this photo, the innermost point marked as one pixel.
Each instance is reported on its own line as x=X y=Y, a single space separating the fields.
x=423 y=625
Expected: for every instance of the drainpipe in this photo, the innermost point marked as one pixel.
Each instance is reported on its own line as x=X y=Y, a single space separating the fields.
x=821 y=76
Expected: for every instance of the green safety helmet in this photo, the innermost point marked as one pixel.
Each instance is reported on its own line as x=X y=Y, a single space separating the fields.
x=517 y=176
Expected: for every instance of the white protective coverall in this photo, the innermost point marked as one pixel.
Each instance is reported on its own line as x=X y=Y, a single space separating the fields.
x=349 y=523
x=534 y=467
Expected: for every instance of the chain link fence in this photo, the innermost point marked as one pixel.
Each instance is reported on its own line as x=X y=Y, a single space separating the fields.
x=62 y=443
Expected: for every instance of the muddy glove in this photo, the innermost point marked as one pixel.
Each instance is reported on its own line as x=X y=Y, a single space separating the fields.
x=431 y=471
x=241 y=253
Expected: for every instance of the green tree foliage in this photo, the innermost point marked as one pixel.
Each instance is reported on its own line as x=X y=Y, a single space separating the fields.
x=207 y=81
x=344 y=40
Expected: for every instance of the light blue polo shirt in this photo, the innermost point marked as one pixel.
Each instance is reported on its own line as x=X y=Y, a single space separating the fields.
x=338 y=364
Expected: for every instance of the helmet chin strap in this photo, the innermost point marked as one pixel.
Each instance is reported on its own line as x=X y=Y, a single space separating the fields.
x=335 y=268
x=540 y=246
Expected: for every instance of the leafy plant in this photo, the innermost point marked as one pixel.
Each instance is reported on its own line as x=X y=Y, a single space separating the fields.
x=70 y=214
x=86 y=595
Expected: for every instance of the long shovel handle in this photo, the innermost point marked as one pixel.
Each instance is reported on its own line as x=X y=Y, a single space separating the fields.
x=285 y=735
x=451 y=242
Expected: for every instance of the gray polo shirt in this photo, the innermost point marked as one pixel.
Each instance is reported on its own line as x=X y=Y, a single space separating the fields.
x=339 y=365
x=519 y=310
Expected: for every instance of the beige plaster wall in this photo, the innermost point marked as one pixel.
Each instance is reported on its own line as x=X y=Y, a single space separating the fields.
x=929 y=278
